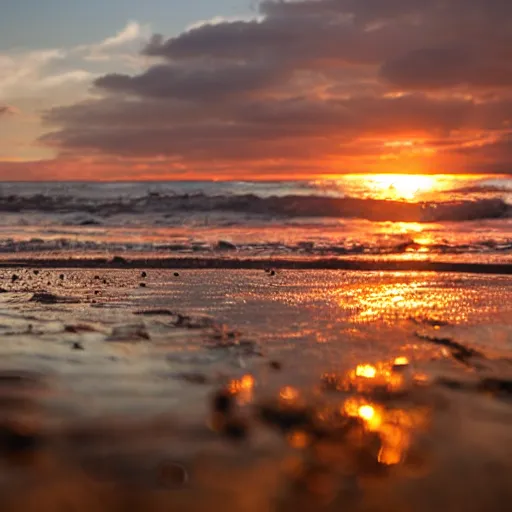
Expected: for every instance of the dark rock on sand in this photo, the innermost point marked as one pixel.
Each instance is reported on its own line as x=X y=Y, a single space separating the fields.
x=155 y=312
x=223 y=245
x=235 y=429
x=135 y=332
x=142 y=285
x=188 y=322
x=78 y=328
x=119 y=260
x=144 y=275
x=223 y=402
x=15 y=278
x=77 y=346
x=50 y=298
x=45 y=298
x=275 y=365
x=176 y=274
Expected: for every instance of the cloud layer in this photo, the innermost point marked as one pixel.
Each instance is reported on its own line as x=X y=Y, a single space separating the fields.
x=309 y=86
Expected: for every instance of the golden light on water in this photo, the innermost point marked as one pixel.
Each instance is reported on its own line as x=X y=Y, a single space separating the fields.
x=246 y=383
x=288 y=393
x=401 y=361
x=366 y=412
x=399 y=187
x=371 y=416
x=366 y=370
x=243 y=388
x=366 y=376
x=388 y=301
x=394 y=426
x=395 y=442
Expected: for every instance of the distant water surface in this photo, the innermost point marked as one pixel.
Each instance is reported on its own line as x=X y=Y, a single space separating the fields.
x=411 y=216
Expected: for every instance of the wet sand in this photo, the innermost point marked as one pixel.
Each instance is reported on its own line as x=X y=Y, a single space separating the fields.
x=150 y=389
x=422 y=262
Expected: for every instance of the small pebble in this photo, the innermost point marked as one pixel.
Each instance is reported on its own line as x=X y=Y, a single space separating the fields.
x=78 y=346
x=171 y=475
x=144 y=275
x=96 y=292
x=176 y=274
x=223 y=402
x=14 y=278
x=104 y=281
x=272 y=273
x=36 y=272
x=235 y=429
x=44 y=298
x=142 y=285
x=275 y=365
x=97 y=278
x=61 y=277
x=119 y=260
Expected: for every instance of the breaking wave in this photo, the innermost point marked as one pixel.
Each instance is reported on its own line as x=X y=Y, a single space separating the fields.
x=290 y=206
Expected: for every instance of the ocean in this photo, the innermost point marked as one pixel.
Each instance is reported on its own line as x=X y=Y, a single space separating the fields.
x=420 y=217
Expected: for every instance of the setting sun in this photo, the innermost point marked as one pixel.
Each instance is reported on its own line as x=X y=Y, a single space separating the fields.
x=401 y=186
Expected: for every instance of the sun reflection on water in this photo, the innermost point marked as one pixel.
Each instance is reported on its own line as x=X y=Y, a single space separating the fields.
x=388 y=300
x=395 y=426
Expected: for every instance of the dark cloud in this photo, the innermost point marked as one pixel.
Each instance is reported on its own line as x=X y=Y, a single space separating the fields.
x=201 y=81
x=265 y=128
x=448 y=67
x=308 y=79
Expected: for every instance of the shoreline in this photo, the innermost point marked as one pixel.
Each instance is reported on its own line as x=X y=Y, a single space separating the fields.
x=119 y=262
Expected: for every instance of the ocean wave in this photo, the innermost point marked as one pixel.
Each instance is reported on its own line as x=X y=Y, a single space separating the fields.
x=250 y=204
x=348 y=247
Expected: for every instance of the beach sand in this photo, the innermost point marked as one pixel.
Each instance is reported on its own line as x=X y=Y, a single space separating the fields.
x=252 y=390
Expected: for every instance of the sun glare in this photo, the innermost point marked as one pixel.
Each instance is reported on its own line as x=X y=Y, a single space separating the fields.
x=401 y=186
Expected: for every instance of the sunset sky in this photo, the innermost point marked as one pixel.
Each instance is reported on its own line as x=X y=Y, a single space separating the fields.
x=201 y=89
